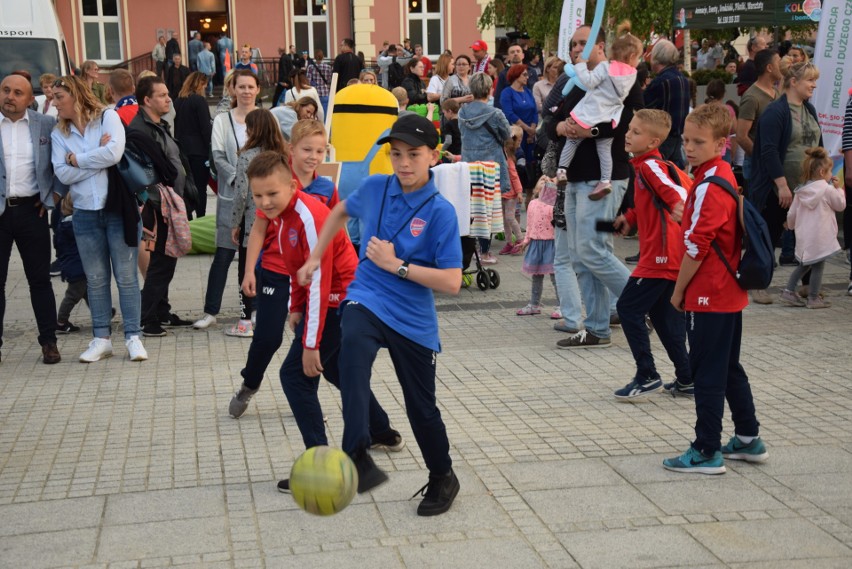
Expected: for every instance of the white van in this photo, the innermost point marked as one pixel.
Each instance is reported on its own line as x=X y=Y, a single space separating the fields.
x=31 y=39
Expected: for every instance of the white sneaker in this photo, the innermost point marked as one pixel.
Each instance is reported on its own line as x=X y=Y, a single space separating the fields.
x=204 y=322
x=135 y=349
x=99 y=348
x=242 y=329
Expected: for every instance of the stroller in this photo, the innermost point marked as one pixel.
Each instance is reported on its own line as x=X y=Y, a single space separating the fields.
x=485 y=278
x=474 y=190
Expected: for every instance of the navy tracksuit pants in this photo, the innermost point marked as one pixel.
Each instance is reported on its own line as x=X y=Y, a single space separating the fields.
x=644 y=296
x=301 y=390
x=363 y=334
x=273 y=298
x=714 y=358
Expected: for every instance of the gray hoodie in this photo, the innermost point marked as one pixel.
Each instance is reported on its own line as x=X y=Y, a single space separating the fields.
x=481 y=144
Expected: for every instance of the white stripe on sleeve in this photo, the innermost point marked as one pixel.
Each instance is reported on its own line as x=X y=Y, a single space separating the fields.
x=665 y=179
x=312 y=315
x=700 y=194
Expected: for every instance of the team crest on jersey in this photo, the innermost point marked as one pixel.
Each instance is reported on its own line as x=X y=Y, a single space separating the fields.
x=417 y=226
x=293 y=236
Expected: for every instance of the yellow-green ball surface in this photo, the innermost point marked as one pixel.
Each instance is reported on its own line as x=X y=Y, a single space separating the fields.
x=323 y=480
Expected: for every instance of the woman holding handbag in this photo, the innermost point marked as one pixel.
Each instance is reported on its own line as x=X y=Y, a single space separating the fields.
x=88 y=140
x=229 y=135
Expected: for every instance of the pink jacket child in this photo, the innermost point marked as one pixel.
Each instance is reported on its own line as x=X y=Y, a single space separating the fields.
x=812 y=216
x=538 y=260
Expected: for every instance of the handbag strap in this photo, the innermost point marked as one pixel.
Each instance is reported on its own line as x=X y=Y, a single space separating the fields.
x=234 y=130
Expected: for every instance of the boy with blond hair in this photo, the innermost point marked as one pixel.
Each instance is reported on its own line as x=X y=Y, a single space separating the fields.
x=659 y=199
x=714 y=301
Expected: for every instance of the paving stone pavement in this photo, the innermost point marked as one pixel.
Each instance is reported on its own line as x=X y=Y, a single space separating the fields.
x=119 y=464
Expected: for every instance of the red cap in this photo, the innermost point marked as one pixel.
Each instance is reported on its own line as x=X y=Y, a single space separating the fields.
x=479 y=45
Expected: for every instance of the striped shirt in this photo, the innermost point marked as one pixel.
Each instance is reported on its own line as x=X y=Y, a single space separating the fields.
x=319 y=75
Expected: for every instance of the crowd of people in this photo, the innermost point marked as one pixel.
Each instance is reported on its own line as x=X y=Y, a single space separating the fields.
x=611 y=140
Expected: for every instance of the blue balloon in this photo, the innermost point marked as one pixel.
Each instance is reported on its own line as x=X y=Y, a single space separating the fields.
x=587 y=51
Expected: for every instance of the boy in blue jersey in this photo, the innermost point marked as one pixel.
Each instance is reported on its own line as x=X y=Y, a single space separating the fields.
x=410 y=248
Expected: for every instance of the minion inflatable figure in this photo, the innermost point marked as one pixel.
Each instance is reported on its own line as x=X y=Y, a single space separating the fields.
x=361 y=115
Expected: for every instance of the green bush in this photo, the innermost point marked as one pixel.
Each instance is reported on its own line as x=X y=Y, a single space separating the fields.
x=704 y=76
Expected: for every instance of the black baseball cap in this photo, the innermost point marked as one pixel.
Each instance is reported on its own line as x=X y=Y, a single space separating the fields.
x=414 y=130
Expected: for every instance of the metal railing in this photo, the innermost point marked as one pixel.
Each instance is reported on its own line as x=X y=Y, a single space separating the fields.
x=135 y=66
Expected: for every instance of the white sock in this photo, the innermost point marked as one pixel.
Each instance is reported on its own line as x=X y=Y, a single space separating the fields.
x=745 y=440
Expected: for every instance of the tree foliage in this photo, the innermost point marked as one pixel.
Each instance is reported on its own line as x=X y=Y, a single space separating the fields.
x=540 y=18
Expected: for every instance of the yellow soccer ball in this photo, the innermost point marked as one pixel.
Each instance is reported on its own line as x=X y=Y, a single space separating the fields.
x=323 y=480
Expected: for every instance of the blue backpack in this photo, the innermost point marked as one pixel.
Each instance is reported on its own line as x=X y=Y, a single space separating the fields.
x=758 y=258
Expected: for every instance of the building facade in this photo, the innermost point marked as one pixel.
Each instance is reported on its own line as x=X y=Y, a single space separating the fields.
x=112 y=31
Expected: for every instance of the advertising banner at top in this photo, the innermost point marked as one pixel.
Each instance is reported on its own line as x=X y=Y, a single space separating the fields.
x=705 y=14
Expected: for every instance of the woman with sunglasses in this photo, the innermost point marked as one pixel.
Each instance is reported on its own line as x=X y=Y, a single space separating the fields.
x=89 y=139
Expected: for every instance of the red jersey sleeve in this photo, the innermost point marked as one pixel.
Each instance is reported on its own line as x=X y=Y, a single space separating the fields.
x=316 y=293
x=711 y=209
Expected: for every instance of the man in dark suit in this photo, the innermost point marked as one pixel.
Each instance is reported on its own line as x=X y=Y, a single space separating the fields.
x=26 y=191
x=172 y=49
x=175 y=76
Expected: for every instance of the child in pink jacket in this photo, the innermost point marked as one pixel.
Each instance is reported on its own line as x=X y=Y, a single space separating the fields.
x=538 y=260
x=812 y=216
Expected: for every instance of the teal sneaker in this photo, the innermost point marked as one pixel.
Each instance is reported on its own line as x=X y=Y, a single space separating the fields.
x=755 y=451
x=693 y=461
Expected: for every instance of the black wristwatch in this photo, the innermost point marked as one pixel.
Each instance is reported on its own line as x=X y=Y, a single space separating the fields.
x=402 y=271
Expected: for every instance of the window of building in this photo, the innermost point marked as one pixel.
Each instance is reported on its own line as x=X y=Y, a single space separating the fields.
x=425 y=27
x=101 y=31
x=310 y=23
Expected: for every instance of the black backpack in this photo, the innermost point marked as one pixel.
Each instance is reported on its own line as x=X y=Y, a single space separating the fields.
x=395 y=74
x=758 y=258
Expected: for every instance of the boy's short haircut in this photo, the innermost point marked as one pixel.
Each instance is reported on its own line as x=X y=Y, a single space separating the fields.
x=47 y=78
x=658 y=122
x=450 y=105
x=715 y=117
x=305 y=128
x=121 y=82
x=400 y=93
x=265 y=163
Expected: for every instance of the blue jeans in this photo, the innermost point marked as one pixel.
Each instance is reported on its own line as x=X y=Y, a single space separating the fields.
x=747 y=168
x=324 y=103
x=100 y=240
x=600 y=274
x=566 y=281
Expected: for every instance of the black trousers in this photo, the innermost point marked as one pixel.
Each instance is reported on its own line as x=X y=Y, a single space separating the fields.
x=161 y=271
x=644 y=296
x=24 y=226
x=714 y=358
x=200 y=173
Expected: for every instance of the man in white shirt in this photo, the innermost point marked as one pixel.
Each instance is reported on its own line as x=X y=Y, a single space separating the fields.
x=158 y=54
x=26 y=190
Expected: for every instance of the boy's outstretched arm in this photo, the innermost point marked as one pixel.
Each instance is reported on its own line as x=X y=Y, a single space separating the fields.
x=335 y=222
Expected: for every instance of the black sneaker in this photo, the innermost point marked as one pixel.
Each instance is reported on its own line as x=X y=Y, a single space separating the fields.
x=369 y=475
x=678 y=389
x=583 y=339
x=636 y=388
x=55 y=269
x=787 y=261
x=390 y=441
x=284 y=486
x=438 y=494
x=175 y=321
x=66 y=328
x=614 y=321
x=632 y=259
x=153 y=330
